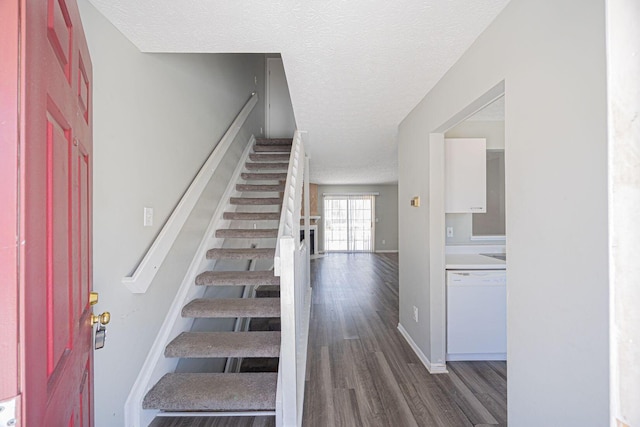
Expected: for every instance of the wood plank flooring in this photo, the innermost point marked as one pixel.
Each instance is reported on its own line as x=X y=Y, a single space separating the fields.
x=361 y=371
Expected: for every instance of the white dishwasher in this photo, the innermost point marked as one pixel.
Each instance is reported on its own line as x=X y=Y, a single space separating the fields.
x=476 y=315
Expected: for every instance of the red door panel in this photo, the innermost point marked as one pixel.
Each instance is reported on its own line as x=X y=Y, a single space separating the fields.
x=55 y=216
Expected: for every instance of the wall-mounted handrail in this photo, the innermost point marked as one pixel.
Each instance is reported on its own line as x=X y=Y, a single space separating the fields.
x=140 y=280
x=291 y=263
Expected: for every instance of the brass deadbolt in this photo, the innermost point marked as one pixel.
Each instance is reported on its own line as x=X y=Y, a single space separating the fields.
x=93 y=298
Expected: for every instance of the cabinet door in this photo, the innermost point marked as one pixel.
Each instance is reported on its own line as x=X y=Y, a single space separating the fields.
x=465 y=175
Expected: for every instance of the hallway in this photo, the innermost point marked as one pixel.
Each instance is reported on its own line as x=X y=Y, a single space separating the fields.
x=361 y=371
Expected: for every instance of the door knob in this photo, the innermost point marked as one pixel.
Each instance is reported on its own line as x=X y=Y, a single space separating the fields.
x=103 y=318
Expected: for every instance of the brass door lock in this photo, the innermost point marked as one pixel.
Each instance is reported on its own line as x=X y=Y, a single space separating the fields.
x=103 y=318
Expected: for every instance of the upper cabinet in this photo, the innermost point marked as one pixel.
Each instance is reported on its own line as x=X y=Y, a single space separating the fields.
x=465 y=175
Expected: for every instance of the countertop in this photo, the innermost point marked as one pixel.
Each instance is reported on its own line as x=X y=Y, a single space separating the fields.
x=473 y=262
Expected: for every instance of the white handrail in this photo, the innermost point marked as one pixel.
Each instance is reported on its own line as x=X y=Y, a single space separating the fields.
x=140 y=280
x=156 y=365
x=292 y=265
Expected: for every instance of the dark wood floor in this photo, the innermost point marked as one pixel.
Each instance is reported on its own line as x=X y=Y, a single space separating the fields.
x=361 y=371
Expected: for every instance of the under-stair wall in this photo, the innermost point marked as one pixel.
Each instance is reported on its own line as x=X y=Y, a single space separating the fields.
x=156 y=119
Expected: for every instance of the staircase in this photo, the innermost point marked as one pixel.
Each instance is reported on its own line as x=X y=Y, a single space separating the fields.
x=234 y=393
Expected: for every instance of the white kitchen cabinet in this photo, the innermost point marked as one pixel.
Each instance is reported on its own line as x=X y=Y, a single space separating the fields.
x=465 y=175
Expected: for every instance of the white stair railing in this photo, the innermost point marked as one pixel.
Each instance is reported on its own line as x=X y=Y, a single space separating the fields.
x=292 y=265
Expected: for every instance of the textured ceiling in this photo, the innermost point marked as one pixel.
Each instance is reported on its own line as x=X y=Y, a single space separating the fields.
x=355 y=68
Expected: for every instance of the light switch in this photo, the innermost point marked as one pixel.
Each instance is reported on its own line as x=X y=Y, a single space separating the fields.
x=148 y=217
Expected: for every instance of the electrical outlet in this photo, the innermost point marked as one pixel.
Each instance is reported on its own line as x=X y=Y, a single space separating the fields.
x=415 y=313
x=148 y=217
x=449 y=231
x=255 y=80
x=384 y=242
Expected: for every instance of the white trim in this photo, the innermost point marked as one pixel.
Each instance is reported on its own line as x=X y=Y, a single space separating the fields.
x=217 y=414
x=350 y=194
x=462 y=357
x=156 y=365
x=481 y=238
x=139 y=282
x=387 y=251
x=433 y=368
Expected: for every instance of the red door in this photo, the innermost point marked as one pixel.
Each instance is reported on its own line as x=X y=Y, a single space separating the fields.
x=52 y=164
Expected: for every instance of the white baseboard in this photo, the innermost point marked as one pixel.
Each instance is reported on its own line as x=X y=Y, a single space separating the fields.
x=433 y=368
x=467 y=357
x=391 y=251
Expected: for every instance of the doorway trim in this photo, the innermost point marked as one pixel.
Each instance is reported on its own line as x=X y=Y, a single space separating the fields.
x=9 y=197
x=437 y=243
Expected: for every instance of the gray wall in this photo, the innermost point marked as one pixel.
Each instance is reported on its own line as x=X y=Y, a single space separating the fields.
x=156 y=119
x=461 y=222
x=386 y=212
x=551 y=56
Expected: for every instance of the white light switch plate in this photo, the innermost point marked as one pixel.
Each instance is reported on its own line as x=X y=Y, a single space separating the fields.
x=148 y=217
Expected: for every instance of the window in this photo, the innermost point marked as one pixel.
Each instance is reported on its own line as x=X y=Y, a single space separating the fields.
x=348 y=222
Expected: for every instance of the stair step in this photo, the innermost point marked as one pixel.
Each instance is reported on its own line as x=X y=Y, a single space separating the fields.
x=224 y=344
x=272 y=148
x=249 y=253
x=232 y=307
x=278 y=157
x=246 y=233
x=260 y=187
x=252 y=216
x=237 y=278
x=264 y=176
x=270 y=166
x=255 y=200
x=213 y=392
x=274 y=141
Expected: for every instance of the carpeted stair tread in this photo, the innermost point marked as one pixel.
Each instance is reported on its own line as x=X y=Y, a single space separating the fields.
x=260 y=187
x=224 y=344
x=255 y=201
x=274 y=141
x=266 y=165
x=269 y=157
x=246 y=233
x=232 y=307
x=252 y=216
x=256 y=176
x=213 y=392
x=249 y=253
x=279 y=148
x=238 y=278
